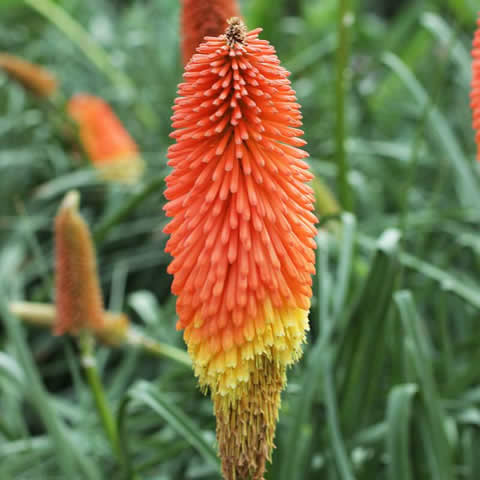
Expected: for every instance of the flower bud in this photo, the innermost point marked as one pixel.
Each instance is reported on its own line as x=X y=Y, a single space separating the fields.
x=78 y=296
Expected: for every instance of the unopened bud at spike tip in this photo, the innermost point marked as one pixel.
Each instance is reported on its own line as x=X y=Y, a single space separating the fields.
x=236 y=31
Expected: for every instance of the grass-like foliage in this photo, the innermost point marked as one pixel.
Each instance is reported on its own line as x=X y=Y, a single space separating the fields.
x=388 y=387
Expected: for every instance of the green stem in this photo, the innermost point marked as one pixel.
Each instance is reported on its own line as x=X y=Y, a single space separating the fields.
x=78 y=35
x=123 y=439
x=43 y=315
x=87 y=343
x=159 y=349
x=131 y=204
x=345 y=16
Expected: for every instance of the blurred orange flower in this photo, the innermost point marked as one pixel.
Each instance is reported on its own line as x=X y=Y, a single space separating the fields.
x=475 y=93
x=203 y=18
x=105 y=140
x=242 y=236
x=31 y=76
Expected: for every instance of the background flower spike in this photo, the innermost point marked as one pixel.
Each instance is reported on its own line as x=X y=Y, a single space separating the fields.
x=475 y=93
x=204 y=18
x=242 y=236
x=78 y=296
x=33 y=77
x=105 y=140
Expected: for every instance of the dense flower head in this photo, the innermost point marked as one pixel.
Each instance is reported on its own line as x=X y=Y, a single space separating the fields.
x=242 y=236
x=105 y=140
x=475 y=93
x=203 y=18
x=78 y=299
x=31 y=76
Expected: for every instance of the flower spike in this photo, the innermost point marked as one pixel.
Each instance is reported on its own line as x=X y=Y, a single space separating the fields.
x=105 y=140
x=475 y=93
x=78 y=296
x=242 y=236
x=32 y=77
x=203 y=18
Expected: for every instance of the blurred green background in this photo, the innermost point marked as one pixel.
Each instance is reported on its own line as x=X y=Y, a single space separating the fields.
x=389 y=384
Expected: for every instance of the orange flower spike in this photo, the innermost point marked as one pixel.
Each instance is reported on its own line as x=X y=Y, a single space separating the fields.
x=78 y=295
x=108 y=145
x=475 y=93
x=242 y=236
x=31 y=76
x=204 y=18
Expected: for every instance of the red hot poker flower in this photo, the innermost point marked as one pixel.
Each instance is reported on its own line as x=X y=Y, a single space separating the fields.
x=78 y=296
x=105 y=140
x=203 y=18
x=475 y=93
x=31 y=76
x=242 y=236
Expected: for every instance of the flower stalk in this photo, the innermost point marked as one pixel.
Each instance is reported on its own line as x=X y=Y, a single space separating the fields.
x=86 y=343
x=43 y=315
x=344 y=22
x=136 y=338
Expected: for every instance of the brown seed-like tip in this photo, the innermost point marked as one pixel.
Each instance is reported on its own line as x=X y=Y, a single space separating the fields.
x=236 y=31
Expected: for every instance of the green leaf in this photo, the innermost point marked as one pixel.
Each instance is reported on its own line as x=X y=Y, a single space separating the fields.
x=447 y=281
x=434 y=422
x=360 y=349
x=399 y=413
x=11 y=369
x=342 y=461
x=296 y=439
x=345 y=262
x=467 y=184
x=78 y=35
x=68 y=457
x=444 y=33
x=145 y=393
x=10 y=3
